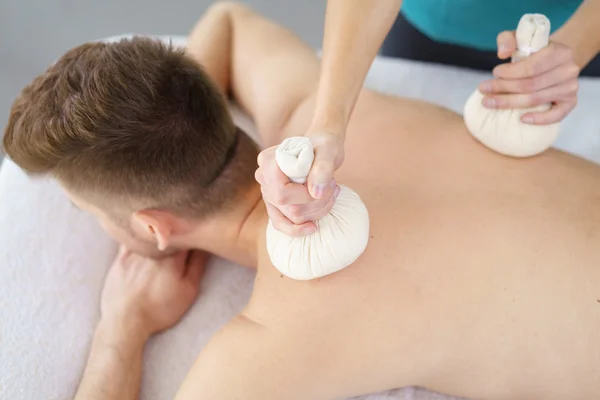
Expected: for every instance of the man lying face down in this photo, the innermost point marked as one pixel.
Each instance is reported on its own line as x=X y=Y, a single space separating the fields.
x=482 y=274
x=138 y=135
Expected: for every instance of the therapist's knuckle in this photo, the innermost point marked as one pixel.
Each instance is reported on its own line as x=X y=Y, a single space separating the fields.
x=529 y=84
x=298 y=220
x=531 y=68
x=566 y=52
x=261 y=158
x=280 y=224
x=279 y=196
x=258 y=175
x=535 y=98
x=573 y=86
x=496 y=86
x=295 y=212
x=319 y=168
x=572 y=70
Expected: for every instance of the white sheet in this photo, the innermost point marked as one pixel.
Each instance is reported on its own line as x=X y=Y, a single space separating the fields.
x=53 y=258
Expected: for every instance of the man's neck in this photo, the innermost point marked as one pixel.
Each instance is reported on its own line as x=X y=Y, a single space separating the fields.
x=235 y=235
x=251 y=230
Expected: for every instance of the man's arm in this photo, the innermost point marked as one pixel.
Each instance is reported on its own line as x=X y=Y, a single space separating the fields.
x=266 y=68
x=141 y=296
x=249 y=361
x=114 y=366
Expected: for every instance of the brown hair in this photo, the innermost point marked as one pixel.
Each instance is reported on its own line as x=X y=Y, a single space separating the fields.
x=136 y=119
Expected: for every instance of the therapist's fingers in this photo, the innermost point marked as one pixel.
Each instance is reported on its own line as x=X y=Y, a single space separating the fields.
x=283 y=224
x=329 y=154
x=555 y=94
x=266 y=155
x=300 y=213
x=507 y=44
x=316 y=209
x=553 y=77
x=544 y=60
x=277 y=186
x=326 y=207
x=556 y=114
x=286 y=194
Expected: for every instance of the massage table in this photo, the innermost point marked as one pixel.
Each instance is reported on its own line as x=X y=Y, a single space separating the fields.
x=53 y=259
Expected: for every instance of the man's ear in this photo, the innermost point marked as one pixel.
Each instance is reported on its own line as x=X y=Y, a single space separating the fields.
x=154 y=224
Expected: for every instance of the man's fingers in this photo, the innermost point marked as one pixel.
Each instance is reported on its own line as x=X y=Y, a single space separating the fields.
x=550 y=78
x=556 y=114
x=282 y=224
x=122 y=252
x=544 y=60
x=548 y=95
x=507 y=44
x=176 y=263
x=195 y=266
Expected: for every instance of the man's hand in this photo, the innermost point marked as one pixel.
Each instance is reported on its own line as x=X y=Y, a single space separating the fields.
x=151 y=295
x=291 y=207
x=141 y=296
x=548 y=76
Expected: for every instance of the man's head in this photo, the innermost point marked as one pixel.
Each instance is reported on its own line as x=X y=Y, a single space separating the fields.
x=136 y=133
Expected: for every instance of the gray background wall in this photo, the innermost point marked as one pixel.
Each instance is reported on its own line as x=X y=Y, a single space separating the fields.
x=34 y=33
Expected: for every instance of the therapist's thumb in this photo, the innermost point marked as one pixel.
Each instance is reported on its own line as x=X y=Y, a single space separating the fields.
x=507 y=44
x=321 y=174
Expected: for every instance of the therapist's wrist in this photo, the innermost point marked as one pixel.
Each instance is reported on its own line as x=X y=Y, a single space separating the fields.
x=328 y=127
x=584 y=47
x=332 y=120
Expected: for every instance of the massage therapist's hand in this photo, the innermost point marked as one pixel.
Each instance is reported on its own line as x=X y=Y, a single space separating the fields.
x=149 y=295
x=548 y=76
x=293 y=207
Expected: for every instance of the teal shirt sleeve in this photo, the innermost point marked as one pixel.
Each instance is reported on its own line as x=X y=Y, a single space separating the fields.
x=476 y=23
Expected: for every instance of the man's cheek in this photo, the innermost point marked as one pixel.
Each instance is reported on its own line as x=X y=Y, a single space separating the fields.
x=117 y=234
x=147 y=250
x=135 y=244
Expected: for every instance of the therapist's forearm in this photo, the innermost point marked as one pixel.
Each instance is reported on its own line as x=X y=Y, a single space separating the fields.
x=582 y=32
x=114 y=367
x=354 y=31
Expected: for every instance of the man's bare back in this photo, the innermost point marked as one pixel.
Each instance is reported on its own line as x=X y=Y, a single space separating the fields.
x=481 y=278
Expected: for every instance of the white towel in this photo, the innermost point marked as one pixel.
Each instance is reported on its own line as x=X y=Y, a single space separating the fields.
x=295 y=158
x=53 y=258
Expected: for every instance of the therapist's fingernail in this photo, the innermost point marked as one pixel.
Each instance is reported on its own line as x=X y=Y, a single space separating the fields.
x=319 y=190
x=503 y=47
x=491 y=103
x=486 y=87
